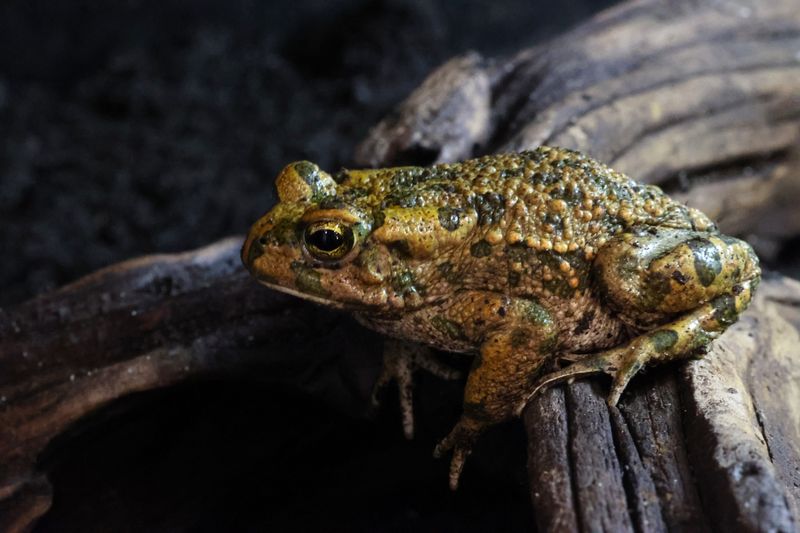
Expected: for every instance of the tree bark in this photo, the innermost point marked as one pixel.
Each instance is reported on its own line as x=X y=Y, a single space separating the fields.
x=701 y=97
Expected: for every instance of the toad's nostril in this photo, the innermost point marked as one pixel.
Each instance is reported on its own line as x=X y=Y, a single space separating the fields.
x=256 y=249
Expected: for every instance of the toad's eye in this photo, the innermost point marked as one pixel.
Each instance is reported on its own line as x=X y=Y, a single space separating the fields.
x=328 y=240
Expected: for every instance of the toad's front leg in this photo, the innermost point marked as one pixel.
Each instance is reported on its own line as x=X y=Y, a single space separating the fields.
x=400 y=360
x=522 y=336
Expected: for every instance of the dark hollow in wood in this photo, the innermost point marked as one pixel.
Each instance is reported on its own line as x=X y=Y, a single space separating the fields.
x=702 y=97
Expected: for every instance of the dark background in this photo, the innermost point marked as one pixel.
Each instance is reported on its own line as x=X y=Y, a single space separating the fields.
x=145 y=126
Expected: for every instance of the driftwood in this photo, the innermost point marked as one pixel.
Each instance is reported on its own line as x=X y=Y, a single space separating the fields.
x=716 y=448
x=702 y=97
x=151 y=323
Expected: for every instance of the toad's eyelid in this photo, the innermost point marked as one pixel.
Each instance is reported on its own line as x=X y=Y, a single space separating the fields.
x=341 y=215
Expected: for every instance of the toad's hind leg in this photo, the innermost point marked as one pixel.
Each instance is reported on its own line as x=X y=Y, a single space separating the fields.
x=684 y=288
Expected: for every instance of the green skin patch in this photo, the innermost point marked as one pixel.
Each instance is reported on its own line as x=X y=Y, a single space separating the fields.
x=378 y=218
x=663 y=339
x=285 y=232
x=449 y=218
x=309 y=172
x=404 y=282
x=544 y=325
x=448 y=327
x=489 y=206
x=725 y=309
x=480 y=249
x=308 y=280
x=707 y=260
x=537 y=314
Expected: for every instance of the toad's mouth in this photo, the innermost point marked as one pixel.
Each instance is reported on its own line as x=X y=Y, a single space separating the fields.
x=304 y=295
x=374 y=310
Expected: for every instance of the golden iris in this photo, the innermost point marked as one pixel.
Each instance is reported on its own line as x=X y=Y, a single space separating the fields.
x=328 y=240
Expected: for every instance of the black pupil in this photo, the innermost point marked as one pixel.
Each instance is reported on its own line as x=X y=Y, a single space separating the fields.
x=326 y=240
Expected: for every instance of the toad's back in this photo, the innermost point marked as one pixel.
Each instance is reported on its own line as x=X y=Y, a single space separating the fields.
x=546 y=199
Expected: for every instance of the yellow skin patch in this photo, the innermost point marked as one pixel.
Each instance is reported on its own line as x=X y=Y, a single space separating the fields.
x=520 y=259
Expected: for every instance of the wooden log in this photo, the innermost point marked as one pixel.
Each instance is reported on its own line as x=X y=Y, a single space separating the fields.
x=699 y=96
x=693 y=454
x=150 y=323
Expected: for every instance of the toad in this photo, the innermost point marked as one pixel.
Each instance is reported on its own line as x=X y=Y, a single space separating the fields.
x=522 y=260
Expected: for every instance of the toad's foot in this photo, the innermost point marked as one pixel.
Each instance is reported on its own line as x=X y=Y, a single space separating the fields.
x=460 y=440
x=684 y=337
x=620 y=363
x=400 y=360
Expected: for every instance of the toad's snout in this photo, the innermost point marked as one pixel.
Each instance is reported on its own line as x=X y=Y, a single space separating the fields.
x=253 y=248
